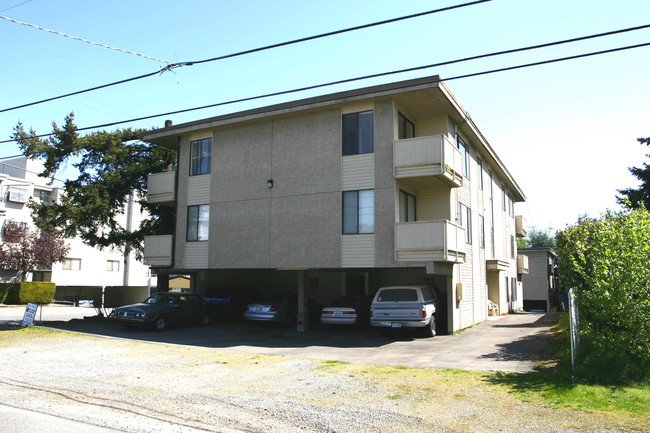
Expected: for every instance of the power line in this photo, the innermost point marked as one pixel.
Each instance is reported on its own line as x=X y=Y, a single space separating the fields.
x=82 y=39
x=171 y=66
x=349 y=80
x=15 y=6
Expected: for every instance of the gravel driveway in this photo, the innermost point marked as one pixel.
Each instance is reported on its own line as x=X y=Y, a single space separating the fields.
x=136 y=386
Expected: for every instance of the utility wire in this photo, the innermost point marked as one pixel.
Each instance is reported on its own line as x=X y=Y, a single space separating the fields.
x=171 y=66
x=349 y=80
x=82 y=39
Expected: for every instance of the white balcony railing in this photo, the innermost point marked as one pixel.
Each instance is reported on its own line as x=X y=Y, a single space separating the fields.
x=160 y=187
x=425 y=241
x=428 y=156
x=158 y=250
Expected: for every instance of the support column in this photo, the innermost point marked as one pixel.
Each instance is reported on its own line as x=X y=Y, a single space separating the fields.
x=302 y=323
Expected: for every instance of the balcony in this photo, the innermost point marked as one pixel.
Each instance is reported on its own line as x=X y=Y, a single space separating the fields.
x=429 y=156
x=161 y=188
x=426 y=241
x=158 y=250
x=522 y=264
x=521 y=227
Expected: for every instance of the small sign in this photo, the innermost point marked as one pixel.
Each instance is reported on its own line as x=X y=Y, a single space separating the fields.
x=30 y=313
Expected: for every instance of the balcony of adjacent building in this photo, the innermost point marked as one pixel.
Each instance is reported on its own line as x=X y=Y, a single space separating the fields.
x=521 y=226
x=158 y=250
x=432 y=159
x=522 y=264
x=161 y=188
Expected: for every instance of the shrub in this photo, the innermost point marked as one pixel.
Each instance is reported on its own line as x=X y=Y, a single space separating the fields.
x=34 y=292
x=4 y=290
x=608 y=262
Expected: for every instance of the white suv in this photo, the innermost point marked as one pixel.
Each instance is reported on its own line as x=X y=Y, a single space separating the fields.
x=405 y=307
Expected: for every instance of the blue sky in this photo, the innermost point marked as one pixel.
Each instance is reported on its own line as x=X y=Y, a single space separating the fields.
x=566 y=131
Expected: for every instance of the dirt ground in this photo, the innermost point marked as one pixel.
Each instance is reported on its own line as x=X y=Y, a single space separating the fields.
x=135 y=386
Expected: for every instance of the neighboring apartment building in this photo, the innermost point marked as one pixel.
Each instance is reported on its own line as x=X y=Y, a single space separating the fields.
x=342 y=194
x=541 y=284
x=85 y=266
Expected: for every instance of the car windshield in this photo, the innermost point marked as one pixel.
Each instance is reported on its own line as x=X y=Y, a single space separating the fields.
x=396 y=295
x=159 y=299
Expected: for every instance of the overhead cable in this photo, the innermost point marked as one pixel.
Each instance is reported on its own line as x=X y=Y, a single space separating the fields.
x=171 y=66
x=349 y=80
x=82 y=39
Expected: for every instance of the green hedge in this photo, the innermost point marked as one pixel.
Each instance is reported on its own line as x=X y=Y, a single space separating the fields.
x=4 y=290
x=23 y=293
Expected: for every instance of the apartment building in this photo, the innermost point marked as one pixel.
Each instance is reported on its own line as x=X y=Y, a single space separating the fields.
x=85 y=266
x=342 y=194
x=541 y=284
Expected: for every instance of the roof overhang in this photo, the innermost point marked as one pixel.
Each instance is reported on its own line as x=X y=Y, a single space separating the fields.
x=430 y=92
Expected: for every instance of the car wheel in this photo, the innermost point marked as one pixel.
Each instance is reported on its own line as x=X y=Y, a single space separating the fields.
x=160 y=324
x=205 y=319
x=430 y=329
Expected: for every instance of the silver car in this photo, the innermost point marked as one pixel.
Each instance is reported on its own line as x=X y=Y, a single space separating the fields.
x=280 y=308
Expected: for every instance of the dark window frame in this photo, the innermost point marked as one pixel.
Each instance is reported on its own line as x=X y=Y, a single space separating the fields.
x=465 y=213
x=200 y=156
x=407 y=218
x=355 y=195
x=404 y=126
x=356 y=127
x=464 y=151
x=192 y=235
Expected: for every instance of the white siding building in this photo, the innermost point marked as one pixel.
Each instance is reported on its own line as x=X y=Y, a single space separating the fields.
x=85 y=266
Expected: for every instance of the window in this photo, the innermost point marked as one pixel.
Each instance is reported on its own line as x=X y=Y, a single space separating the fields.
x=407 y=207
x=512 y=247
x=511 y=205
x=359 y=212
x=462 y=146
x=43 y=195
x=358 y=133
x=480 y=172
x=405 y=128
x=112 y=265
x=72 y=264
x=18 y=195
x=503 y=191
x=200 y=156
x=466 y=222
x=492 y=214
x=481 y=227
x=198 y=218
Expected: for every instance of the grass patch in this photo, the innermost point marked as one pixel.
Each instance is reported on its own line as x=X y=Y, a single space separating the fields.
x=600 y=382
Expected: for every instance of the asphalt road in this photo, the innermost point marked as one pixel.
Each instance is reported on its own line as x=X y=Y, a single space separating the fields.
x=512 y=343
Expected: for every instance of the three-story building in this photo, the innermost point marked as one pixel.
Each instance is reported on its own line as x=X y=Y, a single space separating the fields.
x=342 y=194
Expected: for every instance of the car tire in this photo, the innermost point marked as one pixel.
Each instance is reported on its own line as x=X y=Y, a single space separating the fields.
x=160 y=324
x=430 y=329
x=205 y=319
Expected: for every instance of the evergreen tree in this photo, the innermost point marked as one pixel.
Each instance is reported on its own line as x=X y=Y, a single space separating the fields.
x=641 y=196
x=112 y=166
